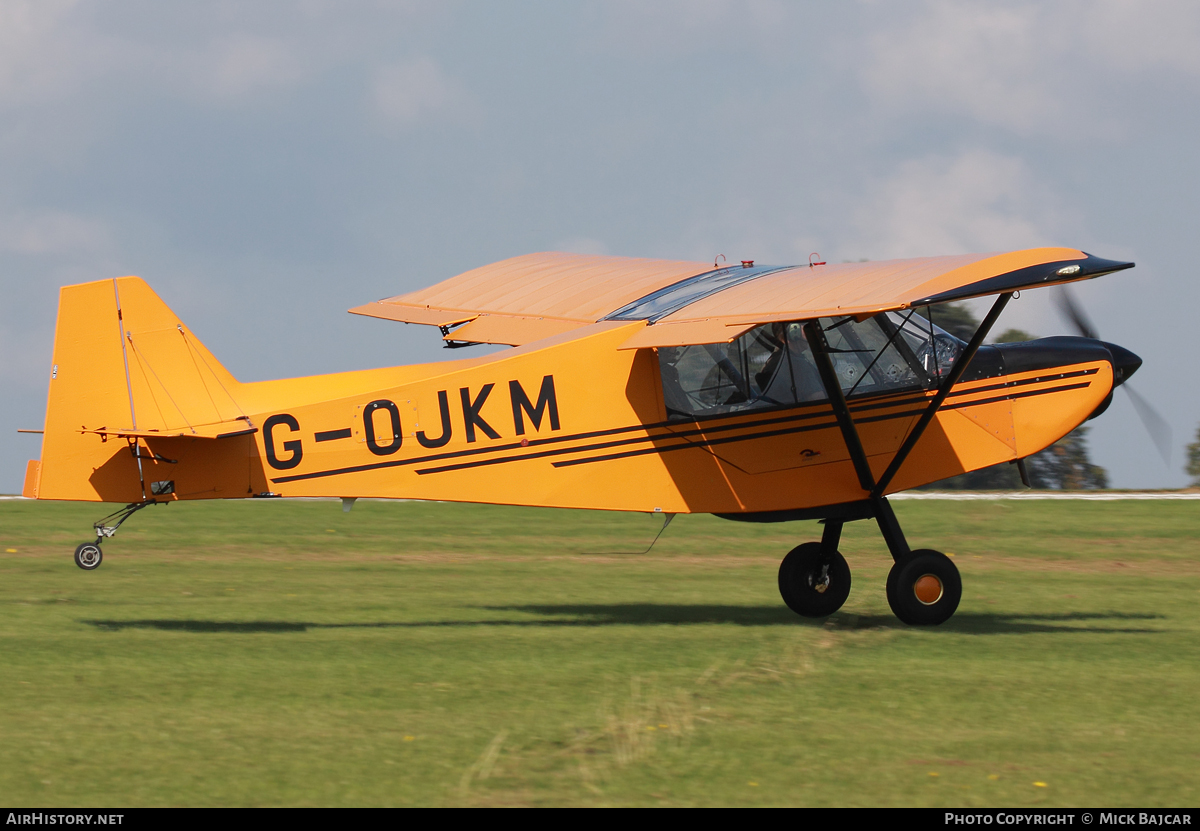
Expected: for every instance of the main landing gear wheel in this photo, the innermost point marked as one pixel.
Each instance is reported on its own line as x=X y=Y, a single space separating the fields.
x=814 y=584
x=924 y=588
x=88 y=556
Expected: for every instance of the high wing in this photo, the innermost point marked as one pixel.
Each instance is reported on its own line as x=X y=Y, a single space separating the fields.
x=528 y=298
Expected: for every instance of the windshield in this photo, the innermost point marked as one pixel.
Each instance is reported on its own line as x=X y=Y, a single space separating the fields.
x=773 y=366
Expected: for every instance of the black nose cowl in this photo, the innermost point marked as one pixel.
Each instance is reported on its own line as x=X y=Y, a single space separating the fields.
x=1048 y=353
x=1125 y=363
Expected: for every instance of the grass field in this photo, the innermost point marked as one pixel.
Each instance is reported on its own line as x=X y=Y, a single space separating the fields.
x=285 y=653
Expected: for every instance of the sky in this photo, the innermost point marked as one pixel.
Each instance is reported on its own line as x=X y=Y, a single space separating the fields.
x=266 y=166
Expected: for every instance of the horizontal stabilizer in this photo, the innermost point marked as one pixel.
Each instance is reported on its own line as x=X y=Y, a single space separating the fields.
x=223 y=430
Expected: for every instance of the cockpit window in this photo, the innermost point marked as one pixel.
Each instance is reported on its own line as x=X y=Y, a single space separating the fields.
x=772 y=365
x=672 y=298
x=935 y=350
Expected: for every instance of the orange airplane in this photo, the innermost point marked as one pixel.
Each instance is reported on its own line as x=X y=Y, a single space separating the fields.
x=756 y=393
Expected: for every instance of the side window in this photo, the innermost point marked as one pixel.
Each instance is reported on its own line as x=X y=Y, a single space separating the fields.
x=867 y=357
x=773 y=366
x=797 y=368
x=769 y=366
x=694 y=380
x=931 y=349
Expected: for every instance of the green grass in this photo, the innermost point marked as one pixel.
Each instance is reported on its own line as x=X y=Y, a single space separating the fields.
x=285 y=653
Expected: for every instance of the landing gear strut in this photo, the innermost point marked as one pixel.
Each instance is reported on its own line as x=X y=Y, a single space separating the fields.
x=923 y=587
x=88 y=555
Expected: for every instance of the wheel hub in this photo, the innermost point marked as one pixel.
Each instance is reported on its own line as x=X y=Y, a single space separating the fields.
x=819 y=582
x=928 y=589
x=814 y=582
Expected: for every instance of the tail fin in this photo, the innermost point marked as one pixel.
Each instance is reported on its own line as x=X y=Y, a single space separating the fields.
x=124 y=364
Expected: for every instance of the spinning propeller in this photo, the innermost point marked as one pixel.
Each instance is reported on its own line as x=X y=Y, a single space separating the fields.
x=1155 y=424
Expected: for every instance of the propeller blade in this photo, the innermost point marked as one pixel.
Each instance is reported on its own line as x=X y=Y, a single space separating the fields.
x=1156 y=425
x=1070 y=308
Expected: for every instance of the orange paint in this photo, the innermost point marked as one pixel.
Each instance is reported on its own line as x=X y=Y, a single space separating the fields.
x=928 y=589
x=575 y=419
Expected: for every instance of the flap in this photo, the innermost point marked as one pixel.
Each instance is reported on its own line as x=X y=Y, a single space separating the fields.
x=577 y=287
x=511 y=330
x=414 y=314
x=686 y=334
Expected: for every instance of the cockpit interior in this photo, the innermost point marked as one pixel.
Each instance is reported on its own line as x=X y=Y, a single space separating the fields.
x=772 y=365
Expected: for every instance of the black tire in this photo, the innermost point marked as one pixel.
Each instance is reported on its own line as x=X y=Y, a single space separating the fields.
x=924 y=588
x=813 y=584
x=890 y=586
x=88 y=556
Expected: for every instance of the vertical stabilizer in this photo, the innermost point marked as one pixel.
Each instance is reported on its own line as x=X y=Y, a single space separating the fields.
x=122 y=361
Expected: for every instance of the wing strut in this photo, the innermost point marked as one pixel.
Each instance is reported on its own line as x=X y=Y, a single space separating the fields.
x=881 y=509
x=820 y=348
x=956 y=372
x=889 y=526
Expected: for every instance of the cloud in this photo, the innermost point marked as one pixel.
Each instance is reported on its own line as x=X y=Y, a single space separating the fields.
x=976 y=201
x=40 y=251
x=1147 y=36
x=55 y=49
x=979 y=60
x=673 y=27
x=240 y=64
x=409 y=93
x=40 y=53
x=53 y=233
x=1049 y=69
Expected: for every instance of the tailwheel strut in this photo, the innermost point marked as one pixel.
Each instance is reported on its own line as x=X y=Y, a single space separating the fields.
x=88 y=555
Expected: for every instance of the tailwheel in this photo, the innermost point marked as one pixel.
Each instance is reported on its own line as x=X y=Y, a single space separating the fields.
x=814 y=583
x=88 y=556
x=924 y=588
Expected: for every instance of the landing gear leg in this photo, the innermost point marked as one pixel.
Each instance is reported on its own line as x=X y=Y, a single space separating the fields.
x=88 y=555
x=814 y=578
x=889 y=527
x=923 y=587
